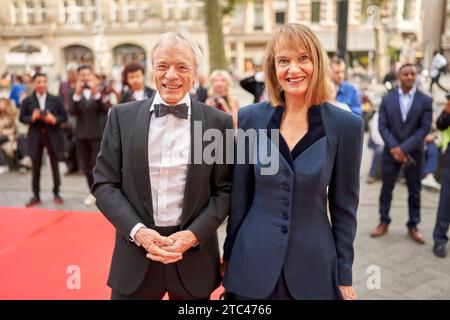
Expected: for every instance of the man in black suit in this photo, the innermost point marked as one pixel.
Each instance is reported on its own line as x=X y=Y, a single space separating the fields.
x=443 y=216
x=44 y=113
x=166 y=205
x=90 y=112
x=404 y=121
x=133 y=76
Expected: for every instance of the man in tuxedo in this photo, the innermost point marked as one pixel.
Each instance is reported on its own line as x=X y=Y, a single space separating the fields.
x=44 y=113
x=166 y=208
x=90 y=112
x=404 y=121
x=133 y=76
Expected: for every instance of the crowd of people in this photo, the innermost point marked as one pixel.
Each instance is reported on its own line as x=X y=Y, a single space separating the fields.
x=299 y=92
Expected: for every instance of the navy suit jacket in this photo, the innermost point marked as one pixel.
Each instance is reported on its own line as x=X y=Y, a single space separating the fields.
x=408 y=135
x=279 y=223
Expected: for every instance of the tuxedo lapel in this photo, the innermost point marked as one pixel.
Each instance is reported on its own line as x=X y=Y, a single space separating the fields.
x=140 y=156
x=196 y=171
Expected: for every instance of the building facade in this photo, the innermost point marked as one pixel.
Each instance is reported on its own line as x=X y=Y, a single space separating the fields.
x=109 y=33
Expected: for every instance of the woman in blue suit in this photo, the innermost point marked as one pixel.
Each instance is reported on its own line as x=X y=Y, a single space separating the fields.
x=280 y=242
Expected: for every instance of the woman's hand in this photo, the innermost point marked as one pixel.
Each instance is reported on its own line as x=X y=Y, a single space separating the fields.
x=347 y=292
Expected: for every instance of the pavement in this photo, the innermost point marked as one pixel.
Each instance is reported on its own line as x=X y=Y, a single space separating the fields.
x=391 y=267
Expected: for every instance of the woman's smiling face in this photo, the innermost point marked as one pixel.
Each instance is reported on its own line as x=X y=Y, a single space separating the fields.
x=294 y=68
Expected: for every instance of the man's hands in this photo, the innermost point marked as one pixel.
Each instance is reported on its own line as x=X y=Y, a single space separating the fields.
x=347 y=292
x=165 y=249
x=182 y=241
x=47 y=117
x=80 y=85
x=399 y=155
x=152 y=241
x=35 y=115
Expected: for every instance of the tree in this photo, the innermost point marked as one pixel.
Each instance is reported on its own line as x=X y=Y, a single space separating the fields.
x=213 y=12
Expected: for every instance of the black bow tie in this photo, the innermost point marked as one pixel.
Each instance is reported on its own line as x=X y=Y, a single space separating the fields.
x=180 y=110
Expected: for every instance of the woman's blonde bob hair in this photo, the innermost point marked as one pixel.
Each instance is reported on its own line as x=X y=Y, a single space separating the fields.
x=297 y=35
x=220 y=73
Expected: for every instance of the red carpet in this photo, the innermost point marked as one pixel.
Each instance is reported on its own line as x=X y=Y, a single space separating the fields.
x=37 y=246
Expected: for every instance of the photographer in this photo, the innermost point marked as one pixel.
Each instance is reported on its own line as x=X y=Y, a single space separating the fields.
x=90 y=112
x=44 y=113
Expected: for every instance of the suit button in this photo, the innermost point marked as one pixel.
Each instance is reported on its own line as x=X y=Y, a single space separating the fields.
x=284 y=229
x=285 y=187
x=285 y=202
x=287 y=173
x=285 y=216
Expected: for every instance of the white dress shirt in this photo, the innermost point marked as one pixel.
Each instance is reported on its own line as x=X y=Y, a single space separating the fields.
x=406 y=100
x=169 y=144
x=139 y=95
x=41 y=100
x=87 y=95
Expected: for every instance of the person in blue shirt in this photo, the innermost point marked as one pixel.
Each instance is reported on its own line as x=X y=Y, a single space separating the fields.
x=16 y=90
x=346 y=92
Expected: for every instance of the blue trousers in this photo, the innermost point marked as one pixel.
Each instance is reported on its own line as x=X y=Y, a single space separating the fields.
x=431 y=159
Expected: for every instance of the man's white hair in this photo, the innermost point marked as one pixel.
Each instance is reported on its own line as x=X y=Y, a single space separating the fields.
x=176 y=36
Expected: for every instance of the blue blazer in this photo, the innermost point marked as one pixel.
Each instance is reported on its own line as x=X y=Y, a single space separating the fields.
x=408 y=135
x=279 y=223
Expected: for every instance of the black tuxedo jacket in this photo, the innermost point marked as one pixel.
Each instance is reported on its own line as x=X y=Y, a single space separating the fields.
x=91 y=117
x=123 y=192
x=52 y=104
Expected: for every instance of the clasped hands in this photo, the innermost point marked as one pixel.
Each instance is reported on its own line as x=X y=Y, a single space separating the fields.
x=165 y=249
x=399 y=155
x=47 y=117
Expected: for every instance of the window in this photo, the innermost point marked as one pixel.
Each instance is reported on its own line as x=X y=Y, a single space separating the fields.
x=91 y=10
x=127 y=53
x=17 y=15
x=184 y=12
x=259 y=15
x=131 y=10
x=147 y=11
x=407 y=12
x=78 y=54
x=115 y=13
x=238 y=16
x=315 y=11
x=170 y=9
x=280 y=17
x=31 y=18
